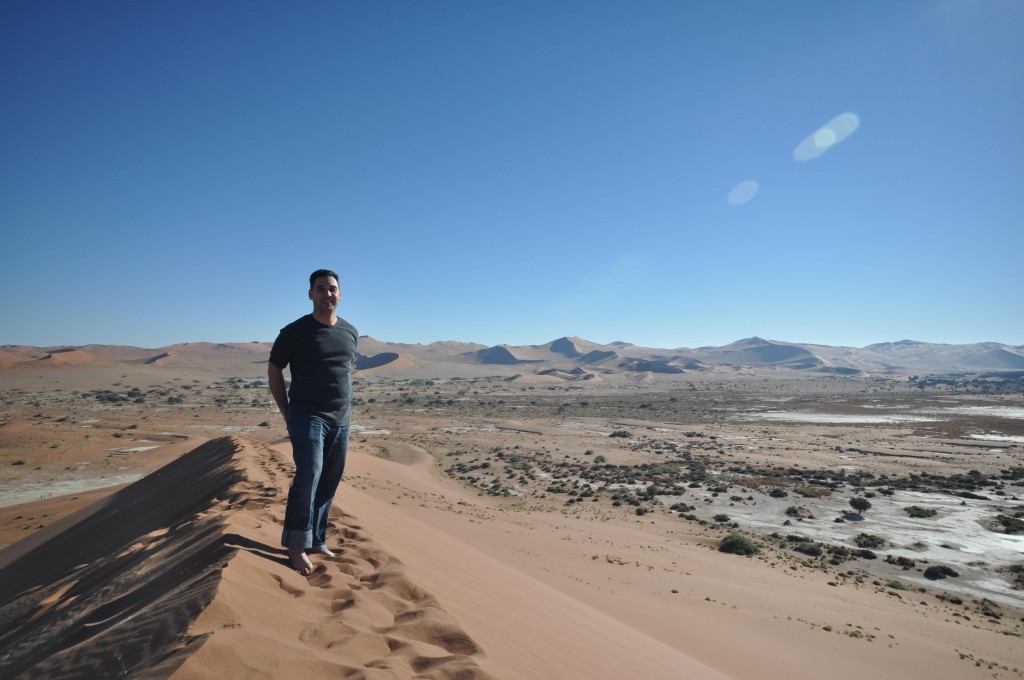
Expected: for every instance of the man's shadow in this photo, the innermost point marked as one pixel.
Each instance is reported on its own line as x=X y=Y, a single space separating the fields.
x=278 y=555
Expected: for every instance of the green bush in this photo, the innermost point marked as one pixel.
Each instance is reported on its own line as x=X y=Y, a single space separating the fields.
x=868 y=541
x=738 y=545
x=918 y=511
x=811 y=549
x=902 y=562
x=1011 y=525
x=939 y=571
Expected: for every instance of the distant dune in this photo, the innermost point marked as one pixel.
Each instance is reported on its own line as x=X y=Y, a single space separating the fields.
x=447 y=359
x=74 y=357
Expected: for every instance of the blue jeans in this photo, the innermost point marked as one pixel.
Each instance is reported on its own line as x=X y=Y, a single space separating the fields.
x=319 y=451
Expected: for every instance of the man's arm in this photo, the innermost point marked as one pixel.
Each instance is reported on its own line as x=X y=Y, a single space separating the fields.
x=275 y=376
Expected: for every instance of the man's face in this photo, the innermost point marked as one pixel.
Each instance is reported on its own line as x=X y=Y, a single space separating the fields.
x=325 y=294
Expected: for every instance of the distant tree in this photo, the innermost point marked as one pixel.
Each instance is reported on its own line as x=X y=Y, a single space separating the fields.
x=860 y=504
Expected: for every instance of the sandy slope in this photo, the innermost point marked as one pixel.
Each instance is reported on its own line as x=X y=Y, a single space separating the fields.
x=656 y=583
x=180 y=574
x=115 y=588
x=118 y=587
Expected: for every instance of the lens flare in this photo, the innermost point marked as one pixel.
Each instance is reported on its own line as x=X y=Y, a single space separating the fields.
x=826 y=137
x=743 y=192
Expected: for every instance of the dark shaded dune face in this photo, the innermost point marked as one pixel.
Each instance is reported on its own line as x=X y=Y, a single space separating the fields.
x=641 y=366
x=497 y=355
x=144 y=555
x=771 y=353
x=565 y=346
x=597 y=356
x=365 y=363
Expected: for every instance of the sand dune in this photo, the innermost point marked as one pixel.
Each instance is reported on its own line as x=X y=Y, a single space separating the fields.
x=451 y=359
x=117 y=587
x=72 y=357
x=180 y=575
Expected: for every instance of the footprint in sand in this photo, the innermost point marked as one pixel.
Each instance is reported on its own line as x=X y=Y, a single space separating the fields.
x=287 y=587
x=380 y=619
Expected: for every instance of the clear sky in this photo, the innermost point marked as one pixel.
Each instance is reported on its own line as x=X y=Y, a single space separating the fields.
x=672 y=174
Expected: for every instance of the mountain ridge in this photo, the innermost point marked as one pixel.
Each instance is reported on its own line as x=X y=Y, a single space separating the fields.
x=560 y=357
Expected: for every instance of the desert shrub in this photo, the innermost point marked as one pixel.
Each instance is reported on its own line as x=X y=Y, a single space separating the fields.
x=778 y=493
x=895 y=585
x=620 y=433
x=722 y=518
x=939 y=571
x=599 y=459
x=812 y=549
x=868 y=541
x=1016 y=572
x=799 y=512
x=903 y=562
x=1011 y=525
x=918 y=511
x=738 y=545
x=865 y=554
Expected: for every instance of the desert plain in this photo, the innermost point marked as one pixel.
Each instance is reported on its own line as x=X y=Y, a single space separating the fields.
x=509 y=514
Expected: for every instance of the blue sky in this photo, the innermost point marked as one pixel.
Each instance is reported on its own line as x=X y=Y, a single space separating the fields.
x=512 y=172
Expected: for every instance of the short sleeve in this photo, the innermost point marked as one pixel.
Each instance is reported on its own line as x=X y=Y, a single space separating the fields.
x=284 y=347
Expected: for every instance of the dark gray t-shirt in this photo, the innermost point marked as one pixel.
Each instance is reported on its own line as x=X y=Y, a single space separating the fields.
x=322 y=359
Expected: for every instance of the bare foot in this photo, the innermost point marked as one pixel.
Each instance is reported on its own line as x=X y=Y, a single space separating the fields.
x=298 y=559
x=322 y=550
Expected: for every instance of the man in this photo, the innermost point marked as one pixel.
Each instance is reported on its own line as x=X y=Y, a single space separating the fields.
x=320 y=348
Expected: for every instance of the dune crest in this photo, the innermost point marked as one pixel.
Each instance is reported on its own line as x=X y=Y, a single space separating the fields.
x=180 y=574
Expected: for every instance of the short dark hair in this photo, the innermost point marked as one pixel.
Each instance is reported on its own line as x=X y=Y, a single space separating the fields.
x=320 y=273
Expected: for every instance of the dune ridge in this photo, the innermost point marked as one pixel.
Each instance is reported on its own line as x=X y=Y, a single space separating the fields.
x=179 y=574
